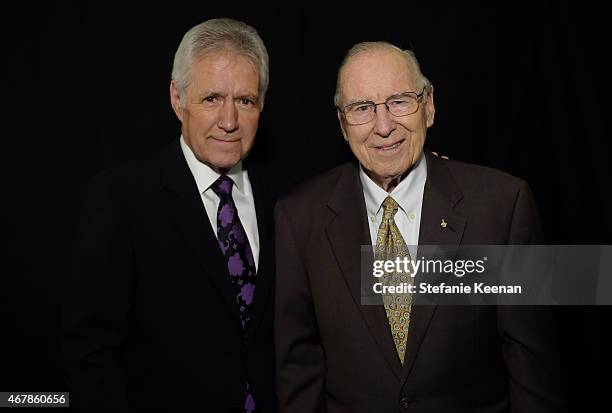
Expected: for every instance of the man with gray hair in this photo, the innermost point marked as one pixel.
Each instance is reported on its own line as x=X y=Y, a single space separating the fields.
x=337 y=355
x=169 y=299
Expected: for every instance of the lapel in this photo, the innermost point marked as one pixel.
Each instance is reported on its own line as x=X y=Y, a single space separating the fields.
x=189 y=214
x=347 y=230
x=440 y=197
x=265 y=271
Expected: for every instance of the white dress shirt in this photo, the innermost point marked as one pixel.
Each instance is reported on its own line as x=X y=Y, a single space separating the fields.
x=408 y=194
x=242 y=194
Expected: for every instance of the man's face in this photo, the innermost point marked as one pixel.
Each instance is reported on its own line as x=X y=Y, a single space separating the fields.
x=387 y=146
x=220 y=110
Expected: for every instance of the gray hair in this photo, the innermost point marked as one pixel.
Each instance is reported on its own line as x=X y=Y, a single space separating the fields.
x=214 y=35
x=365 y=47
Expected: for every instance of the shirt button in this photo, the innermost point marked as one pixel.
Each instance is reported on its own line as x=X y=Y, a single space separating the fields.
x=412 y=216
x=373 y=218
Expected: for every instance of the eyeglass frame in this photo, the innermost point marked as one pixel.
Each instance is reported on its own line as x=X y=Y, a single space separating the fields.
x=419 y=99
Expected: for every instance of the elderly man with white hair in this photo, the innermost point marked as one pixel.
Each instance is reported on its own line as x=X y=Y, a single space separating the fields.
x=335 y=353
x=169 y=304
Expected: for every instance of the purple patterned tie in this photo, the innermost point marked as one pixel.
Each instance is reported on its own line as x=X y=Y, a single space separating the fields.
x=240 y=264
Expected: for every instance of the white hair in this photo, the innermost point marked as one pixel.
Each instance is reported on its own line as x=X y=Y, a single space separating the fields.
x=366 y=47
x=214 y=35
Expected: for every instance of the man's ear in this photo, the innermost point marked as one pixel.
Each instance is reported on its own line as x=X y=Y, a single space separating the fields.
x=430 y=109
x=175 y=101
x=340 y=116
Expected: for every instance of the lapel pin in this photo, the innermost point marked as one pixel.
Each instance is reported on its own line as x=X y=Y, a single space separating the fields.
x=443 y=224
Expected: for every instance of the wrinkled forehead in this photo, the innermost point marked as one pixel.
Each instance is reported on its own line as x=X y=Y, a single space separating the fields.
x=376 y=75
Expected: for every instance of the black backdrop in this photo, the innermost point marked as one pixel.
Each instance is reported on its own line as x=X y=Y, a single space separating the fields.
x=519 y=88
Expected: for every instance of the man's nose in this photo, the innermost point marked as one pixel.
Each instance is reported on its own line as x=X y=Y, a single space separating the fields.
x=384 y=122
x=228 y=116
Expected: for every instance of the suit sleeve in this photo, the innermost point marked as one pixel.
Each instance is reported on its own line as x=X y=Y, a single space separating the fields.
x=528 y=332
x=300 y=358
x=96 y=304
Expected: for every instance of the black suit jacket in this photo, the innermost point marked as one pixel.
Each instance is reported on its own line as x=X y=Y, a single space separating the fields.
x=336 y=355
x=151 y=321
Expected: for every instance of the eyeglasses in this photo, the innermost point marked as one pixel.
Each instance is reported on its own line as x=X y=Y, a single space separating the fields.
x=402 y=104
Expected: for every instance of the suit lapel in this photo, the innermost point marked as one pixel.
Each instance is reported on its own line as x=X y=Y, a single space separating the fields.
x=440 y=197
x=189 y=214
x=347 y=230
x=265 y=272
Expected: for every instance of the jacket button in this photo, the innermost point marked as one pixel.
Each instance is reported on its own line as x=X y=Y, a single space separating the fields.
x=405 y=403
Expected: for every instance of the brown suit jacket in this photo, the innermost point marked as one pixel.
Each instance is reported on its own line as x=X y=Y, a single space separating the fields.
x=336 y=355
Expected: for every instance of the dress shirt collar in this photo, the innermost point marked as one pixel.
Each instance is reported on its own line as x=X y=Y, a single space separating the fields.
x=205 y=176
x=406 y=193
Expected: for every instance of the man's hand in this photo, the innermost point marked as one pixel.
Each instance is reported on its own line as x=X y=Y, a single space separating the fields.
x=440 y=156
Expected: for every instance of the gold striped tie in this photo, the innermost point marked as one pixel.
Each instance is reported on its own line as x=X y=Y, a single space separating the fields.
x=390 y=245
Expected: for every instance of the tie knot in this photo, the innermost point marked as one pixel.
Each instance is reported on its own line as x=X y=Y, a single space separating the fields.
x=222 y=186
x=390 y=208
